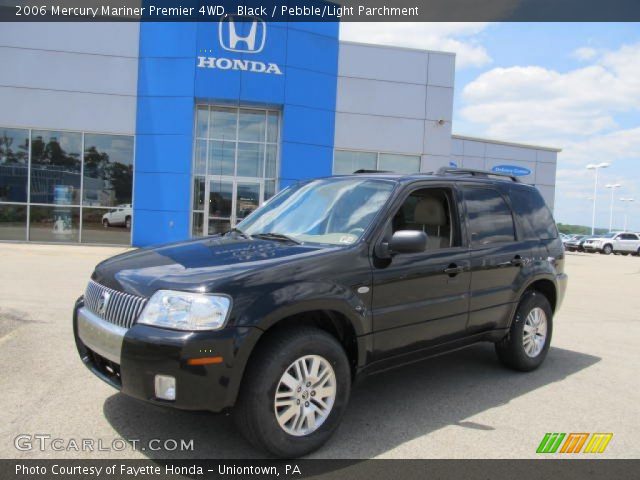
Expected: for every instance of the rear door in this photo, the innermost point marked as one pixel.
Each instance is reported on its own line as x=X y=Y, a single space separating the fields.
x=627 y=242
x=497 y=257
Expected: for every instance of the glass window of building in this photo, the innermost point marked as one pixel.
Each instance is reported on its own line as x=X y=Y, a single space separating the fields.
x=399 y=163
x=345 y=162
x=14 y=164
x=235 y=165
x=56 y=163
x=80 y=188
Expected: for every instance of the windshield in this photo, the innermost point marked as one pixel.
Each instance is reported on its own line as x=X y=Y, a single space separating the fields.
x=330 y=211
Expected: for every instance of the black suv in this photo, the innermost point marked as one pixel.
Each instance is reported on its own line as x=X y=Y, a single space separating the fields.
x=332 y=279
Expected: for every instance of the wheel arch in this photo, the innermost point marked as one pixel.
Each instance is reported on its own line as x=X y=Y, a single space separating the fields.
x=547 y=288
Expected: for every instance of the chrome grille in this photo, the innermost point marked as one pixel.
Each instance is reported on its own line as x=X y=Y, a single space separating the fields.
x=122 y=309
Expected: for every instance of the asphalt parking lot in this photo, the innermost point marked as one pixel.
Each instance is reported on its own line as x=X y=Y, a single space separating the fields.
x=460 y=405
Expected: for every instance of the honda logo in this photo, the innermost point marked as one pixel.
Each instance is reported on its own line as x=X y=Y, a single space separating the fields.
x=244 y=36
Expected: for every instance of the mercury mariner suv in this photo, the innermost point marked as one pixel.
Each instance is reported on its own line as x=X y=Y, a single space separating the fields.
x=331 y=280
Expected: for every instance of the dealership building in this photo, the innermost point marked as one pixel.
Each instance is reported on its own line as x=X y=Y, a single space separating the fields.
x=141 y=133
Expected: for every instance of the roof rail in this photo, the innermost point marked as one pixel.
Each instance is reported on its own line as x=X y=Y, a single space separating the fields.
x=364 y=170
x=475 y=173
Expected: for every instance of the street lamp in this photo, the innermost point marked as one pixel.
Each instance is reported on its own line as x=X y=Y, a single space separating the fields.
x=596 y=167
x=626 y=202
x=611 y=186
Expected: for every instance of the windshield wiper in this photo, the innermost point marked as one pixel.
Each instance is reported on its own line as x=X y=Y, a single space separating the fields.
x=239 y=232
x=277 y=236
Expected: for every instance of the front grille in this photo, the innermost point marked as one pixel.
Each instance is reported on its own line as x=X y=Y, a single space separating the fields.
x=121 y=308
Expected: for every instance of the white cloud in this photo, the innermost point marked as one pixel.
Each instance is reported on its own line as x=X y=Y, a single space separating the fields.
x=447 y=37
x=578 y=110
x=585 y=53
x=534 y=103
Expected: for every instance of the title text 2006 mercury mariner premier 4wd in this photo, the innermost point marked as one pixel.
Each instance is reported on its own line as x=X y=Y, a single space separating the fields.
x=332 y=279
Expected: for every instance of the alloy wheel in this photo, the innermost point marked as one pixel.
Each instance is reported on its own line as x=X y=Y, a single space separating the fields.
x=535 y=332
x=305 y=395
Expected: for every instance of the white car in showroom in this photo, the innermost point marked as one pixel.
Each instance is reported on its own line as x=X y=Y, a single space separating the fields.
x=120 y=216
x=617 y=242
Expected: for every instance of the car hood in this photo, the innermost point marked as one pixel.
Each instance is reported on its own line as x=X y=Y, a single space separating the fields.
x=197 y=265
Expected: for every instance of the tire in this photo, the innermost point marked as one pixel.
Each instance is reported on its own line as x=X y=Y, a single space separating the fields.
x=127 y=222
x=607 y=249
x=255 y=413
x=105 y=223
x=511 y=350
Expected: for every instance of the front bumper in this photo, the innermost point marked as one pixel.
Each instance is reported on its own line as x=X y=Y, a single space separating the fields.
x=129 y=360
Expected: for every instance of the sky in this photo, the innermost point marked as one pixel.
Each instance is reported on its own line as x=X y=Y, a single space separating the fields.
x=574 y=86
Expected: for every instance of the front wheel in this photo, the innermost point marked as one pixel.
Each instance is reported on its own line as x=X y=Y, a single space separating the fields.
x=294 y=393
x=527 y=344
x=607 y=249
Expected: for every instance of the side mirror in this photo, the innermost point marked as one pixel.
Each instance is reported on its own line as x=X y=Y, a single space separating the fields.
x=408 y=241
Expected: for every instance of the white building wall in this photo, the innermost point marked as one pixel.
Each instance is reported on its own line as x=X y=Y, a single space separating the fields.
x=69 y=76
x=468 y=152
x=395 y=100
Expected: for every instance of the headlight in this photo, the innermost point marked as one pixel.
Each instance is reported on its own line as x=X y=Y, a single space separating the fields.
x=186 y=311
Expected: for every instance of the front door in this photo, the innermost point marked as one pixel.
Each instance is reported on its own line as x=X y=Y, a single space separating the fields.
x=422 y=299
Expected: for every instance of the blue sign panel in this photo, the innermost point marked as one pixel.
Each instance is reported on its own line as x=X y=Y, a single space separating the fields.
x=239 y=61
x=512 y=170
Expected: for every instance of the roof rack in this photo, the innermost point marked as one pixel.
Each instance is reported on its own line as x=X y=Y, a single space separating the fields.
x=364 y=170
x=475 y=173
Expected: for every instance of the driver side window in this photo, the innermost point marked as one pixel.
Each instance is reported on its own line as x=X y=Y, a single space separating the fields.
x=428 y=210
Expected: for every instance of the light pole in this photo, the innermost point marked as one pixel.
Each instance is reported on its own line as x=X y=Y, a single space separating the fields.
x=626 y=202
x=596 y=167
x=612 y=186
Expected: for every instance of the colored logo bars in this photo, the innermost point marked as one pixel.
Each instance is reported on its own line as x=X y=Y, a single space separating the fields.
x=573 y=442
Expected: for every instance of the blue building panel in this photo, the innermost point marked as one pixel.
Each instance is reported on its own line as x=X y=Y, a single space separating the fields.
x=164 y=116
x=305 y=161
x=165 y=39
x=162 y=191
x=307 y=126
x=289 y=66
x=168 y=77
x=325 y=52
x=155 y=226
x=306 y=88
x=164 y=153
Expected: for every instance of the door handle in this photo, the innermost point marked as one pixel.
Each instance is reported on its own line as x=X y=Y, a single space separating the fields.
x=516 y=261
x=453 y=270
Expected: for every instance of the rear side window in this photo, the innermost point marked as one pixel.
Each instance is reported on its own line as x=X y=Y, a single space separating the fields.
x=489 y=217
x=536 y=218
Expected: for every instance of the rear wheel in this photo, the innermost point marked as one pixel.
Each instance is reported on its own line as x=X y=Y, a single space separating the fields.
x=105 y=223
x=294 y=393
x=127 y=222
x=527 y=344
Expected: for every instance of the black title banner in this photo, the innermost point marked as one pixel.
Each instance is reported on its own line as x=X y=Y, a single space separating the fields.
x=323 y=10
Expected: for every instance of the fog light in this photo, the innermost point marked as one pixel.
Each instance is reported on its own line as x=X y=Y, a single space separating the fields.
x=165 y=387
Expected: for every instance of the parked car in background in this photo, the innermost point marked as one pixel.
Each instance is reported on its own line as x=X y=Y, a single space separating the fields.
x=620 y=242
x=119 y=216
x=575 y=243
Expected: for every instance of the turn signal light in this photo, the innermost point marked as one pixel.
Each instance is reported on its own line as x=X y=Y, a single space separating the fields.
x=205 y=361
